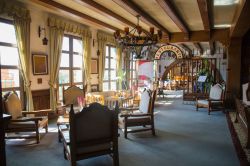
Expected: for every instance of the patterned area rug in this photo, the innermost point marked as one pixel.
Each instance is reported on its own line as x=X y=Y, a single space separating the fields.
x=239 y=139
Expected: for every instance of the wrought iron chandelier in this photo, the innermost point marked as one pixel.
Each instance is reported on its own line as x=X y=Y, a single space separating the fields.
x=136 y=39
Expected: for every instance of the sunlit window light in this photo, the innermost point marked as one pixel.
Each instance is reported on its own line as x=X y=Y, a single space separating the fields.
x=225 y=2
x=222 y=26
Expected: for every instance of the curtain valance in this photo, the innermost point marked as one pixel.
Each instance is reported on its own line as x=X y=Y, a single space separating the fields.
x=14 y=11
x=101 y=36
x=69 y=27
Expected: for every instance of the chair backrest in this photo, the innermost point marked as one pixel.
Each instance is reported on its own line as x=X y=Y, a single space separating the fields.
x=246 y=93
x=71 y=94
x=152 y=102
x=94 y=128
x=216 y=92
x=144 y=105
x=12 y=105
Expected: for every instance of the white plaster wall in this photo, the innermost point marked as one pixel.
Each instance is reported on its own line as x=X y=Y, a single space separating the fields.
x=38 y=17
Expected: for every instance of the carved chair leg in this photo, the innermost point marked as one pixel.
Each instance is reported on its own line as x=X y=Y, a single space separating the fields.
x=64 y=153
x=73 y=163
x=236 y=118
x=46 y=128
x=125 y=132
x=116 y=155
x=37 y=134
x=125 y=128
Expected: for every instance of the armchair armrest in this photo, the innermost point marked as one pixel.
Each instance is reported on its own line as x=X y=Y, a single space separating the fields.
x=202 y=97
x=135 y=115
x=26 y=119
x=129 y=108
x=44 y=112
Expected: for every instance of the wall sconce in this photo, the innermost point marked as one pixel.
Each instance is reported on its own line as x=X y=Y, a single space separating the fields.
x=45 y=40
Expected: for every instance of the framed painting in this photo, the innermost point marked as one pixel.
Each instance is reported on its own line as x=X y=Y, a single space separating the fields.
x=94 y=66
x=40 y=64
x=94 y=88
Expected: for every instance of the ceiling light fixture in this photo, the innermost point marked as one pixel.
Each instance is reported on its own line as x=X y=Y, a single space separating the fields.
x=136 y=39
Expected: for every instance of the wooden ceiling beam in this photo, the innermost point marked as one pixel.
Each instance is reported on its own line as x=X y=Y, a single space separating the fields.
x=240 y=24
x=134 y=9
x=221 y=35
x=106 y=12
x=204 y=11
x=198 y=47
x=66 y=10
x=170 y=10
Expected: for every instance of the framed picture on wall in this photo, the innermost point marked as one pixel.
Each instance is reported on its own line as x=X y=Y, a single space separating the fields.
x=94 y=66
x=40 y=64
x=94 y=88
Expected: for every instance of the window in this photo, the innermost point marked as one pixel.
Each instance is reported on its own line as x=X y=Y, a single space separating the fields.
x=71 y=72
x=109 y=78
x=133 y=69
x=11 y=77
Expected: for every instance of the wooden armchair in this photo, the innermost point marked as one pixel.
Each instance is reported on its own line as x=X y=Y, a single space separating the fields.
x=70 y=96
x=19 y=121
x=139 y=116
x=93 y=132
x=215 y=101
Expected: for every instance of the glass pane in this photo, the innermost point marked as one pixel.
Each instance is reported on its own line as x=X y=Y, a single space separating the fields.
x=107 y=51
x=112 y=74
x=60 y=93
x=64 y=60
x=9 y=56
x=63 y=76
x=7 y=33
x=113 y=86
x=106 y=75
x=77 y=60
x=112 y=63
x=113 y=52
x=106 y=63
x=77 y=75
x=105 y=86
x=10 y=78
x=77 y=45
x=65 y=45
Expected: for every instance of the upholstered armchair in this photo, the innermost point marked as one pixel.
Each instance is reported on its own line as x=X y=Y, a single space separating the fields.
x=20 y=122
x=93 y=132
x=215 y=101
x=139 y=116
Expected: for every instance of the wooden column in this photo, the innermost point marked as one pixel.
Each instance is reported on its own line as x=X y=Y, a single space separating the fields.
x=233 y=70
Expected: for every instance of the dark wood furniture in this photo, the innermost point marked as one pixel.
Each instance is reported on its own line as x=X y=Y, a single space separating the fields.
x=215 y=101
x=70 y=96
x=92 y=132
x=243 y=116
x=139 y=116
x=41 y=99
x=20 y=122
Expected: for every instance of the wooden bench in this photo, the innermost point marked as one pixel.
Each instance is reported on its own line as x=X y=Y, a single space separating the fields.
x=243 y=116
